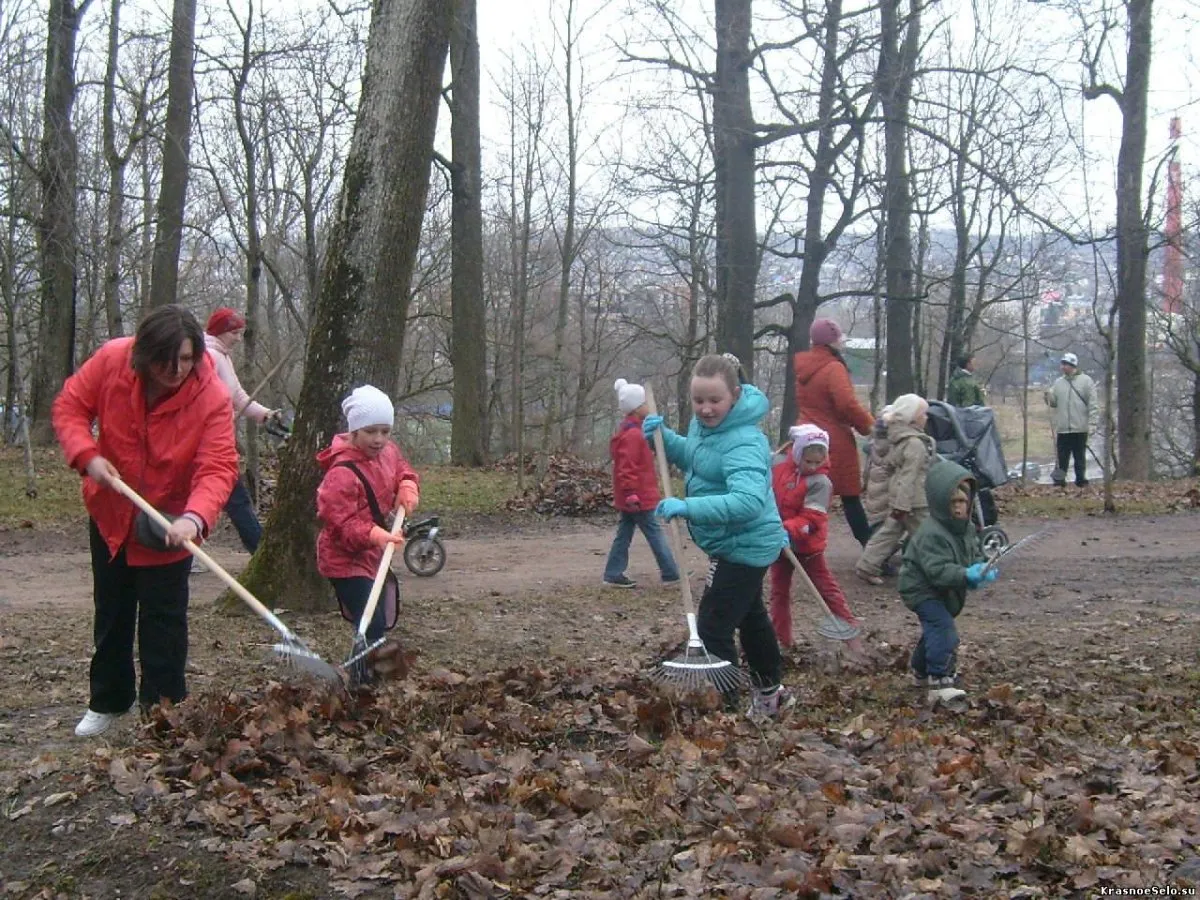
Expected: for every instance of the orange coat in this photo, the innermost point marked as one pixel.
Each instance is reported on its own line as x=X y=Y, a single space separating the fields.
x=180 y=455
x=825 y=397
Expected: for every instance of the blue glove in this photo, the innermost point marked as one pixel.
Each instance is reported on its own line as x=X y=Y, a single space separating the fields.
x=671 y=508
x=976 y=576
x=650 y=424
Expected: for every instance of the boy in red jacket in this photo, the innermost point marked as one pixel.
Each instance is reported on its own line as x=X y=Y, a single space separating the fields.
x=635 y=491
x=366 y=476
x=802 y=492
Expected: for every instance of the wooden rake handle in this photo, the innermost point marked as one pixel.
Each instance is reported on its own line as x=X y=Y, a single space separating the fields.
x=230 y=582
x=806 y=581
x=381 y=573
x=664 y=473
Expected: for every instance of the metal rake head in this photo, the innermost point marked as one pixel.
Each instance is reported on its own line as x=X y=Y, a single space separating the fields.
x=298 y=656
x=837 y=629
x=697 y=669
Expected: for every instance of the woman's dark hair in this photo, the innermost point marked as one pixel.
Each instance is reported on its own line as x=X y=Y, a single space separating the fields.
x=160 y=335
x=963 y=361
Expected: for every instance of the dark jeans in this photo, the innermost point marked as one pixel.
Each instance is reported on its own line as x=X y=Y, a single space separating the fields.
x=352 y=594
x=732 y=602
x=934 y=655
x=240 y=509
x=151 y=602
x=1073 y=444
x=618 y=555
x=856 y=518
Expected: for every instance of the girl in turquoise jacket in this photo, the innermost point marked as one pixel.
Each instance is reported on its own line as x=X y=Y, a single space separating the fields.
x=732 y=516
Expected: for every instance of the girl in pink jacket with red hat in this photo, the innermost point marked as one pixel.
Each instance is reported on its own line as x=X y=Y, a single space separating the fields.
x=366 y=477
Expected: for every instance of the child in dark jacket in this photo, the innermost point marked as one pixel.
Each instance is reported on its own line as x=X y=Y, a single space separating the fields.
x=802 y=492
x=366 y=477
x=942 y=561
x=635 y=491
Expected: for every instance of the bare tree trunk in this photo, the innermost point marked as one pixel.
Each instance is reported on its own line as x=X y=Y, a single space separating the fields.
x=468 y=311
x=733 y=159
x=897 y=61
x=177 y=141
x=1133 y=425
x=56 y=227
x=1196 y=418
x=358 y=321
x=117 y=162
x=878 y=316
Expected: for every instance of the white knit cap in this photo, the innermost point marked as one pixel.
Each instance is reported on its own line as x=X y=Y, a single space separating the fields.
x=1070 y=359
x=629 y=396
x=804 y=436
x=905 y=408
x=367 y=406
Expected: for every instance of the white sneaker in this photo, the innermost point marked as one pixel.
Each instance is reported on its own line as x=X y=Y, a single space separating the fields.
x=198 y=568
x=94 y=723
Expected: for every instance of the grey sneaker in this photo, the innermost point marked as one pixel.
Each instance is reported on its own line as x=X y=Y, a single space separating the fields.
x=769 y=703
x=198 y=568
x=620 y=582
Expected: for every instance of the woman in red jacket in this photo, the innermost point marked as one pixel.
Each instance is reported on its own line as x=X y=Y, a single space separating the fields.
x=166 y=429
x=825 y=397
x=366 y=477
x=635 y=491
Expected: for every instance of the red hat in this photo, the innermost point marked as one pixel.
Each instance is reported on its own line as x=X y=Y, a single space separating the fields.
x=224 y=319
x=824 y=331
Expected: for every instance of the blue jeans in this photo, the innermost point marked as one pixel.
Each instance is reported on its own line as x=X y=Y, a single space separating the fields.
x=934 y=655
x=618 y=556
x=240 y=509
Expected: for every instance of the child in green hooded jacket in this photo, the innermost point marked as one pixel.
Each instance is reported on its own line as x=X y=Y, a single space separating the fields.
x=942 y=561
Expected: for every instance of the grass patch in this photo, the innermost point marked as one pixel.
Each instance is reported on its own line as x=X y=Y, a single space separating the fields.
x=455 y=489
x=58 y=498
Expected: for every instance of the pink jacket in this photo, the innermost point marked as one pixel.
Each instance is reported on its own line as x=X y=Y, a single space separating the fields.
x=344 y=549
x=228 y=374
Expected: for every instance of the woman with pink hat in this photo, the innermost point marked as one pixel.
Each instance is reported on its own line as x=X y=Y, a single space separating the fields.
x=825 y=397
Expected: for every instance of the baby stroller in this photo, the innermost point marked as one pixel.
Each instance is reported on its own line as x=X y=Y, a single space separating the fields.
x=968 y=436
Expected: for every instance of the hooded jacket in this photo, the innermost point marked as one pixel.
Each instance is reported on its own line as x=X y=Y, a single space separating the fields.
x=1073 y=399
x=877 y=475
x=633 y=468
x=964 y=390
x=803 y=502
x=344 y=548
x=731 y=507
x=223 y=362
x=825 y=397
x=937 y=556
x=908 y=461
x=179 y=454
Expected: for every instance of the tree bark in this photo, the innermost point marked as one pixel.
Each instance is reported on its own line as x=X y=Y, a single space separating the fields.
x=733 y=158
x=358 y=321
x=1133 y=421
x=897 y=62
x=57 y=239
x=468 y=311
x=177 y=141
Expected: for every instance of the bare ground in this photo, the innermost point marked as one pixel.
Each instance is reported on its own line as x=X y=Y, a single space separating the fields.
x=1103 y=607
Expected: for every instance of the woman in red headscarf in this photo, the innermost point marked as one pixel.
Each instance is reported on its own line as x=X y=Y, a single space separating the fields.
x=224 y=331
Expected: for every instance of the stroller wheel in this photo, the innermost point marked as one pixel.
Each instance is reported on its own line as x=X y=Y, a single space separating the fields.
x=992 y=539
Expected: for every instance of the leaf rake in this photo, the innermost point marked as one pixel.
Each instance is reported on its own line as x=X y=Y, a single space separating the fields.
x=831 y=626
x=696 y=669
x=291 y=650
x=355 y=666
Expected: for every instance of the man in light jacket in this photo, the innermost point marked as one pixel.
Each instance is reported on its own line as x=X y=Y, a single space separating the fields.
x=1076 y=413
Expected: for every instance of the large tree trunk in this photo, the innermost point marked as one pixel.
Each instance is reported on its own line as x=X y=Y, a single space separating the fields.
x=733 y=159
x=816 y=246
x=358 y=321
x=58 y=171
x=468 y=311
x=117 y=162
x=897 y=61
x=177 y=142
x=1133 y=408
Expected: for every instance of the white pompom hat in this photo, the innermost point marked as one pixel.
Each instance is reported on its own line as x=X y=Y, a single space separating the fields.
x=629 y=396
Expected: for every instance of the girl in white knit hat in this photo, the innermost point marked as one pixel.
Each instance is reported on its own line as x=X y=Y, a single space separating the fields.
x=366 y=476
x=635 y=491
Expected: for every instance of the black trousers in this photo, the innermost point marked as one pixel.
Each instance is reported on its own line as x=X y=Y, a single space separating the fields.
x=149 y=602
x=352 y=595
x=1073 y=444
x=732 y=602
x=856 y=518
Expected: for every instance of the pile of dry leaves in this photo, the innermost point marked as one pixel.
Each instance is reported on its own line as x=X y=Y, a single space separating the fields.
x=569 y=487
x=554 y=783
